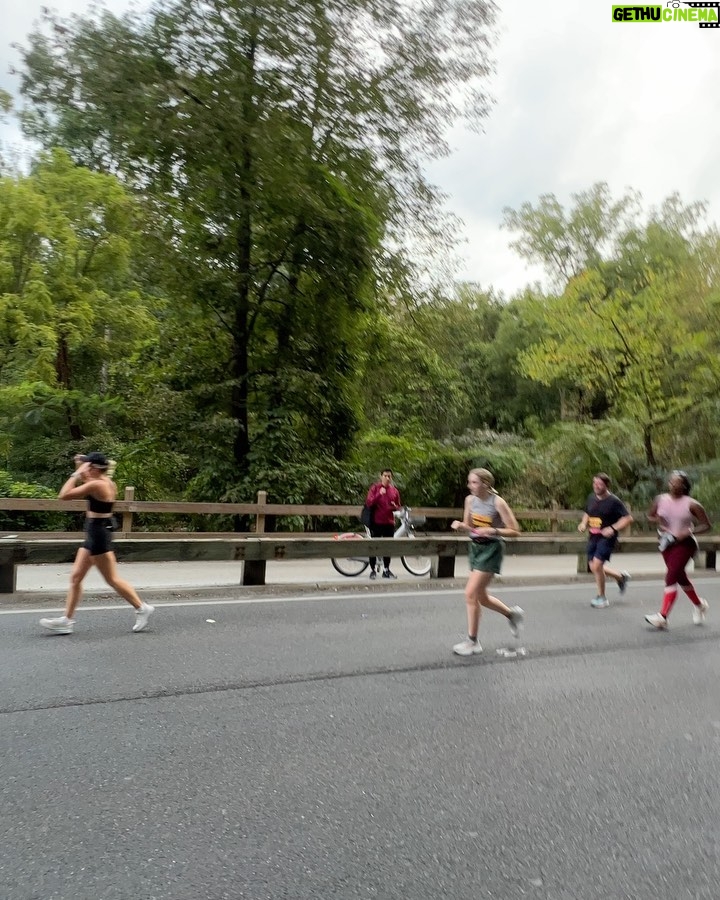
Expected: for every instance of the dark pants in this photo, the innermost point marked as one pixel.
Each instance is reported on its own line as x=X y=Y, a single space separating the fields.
x=381 y=531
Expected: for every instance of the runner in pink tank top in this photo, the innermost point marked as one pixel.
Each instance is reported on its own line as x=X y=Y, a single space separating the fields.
x=675 y=515
x=679 y=518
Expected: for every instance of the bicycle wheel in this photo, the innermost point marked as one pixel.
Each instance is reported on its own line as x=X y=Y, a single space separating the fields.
x=417 y=565
x=350 y=566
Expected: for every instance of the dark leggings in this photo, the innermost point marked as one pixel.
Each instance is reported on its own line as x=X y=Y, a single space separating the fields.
x=382 y=531
x=676 y=557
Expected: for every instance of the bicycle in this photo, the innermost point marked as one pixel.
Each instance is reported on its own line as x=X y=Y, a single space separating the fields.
x=352 y=566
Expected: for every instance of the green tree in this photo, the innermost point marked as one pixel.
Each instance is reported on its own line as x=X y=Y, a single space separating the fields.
x=5 y=108
x=567 y=242
x=282 y=146
x=409 y=386
x=478 y=337
x=630 y=332
x=69 y=310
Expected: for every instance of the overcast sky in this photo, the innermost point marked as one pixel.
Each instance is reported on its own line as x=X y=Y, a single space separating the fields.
x=578 y=99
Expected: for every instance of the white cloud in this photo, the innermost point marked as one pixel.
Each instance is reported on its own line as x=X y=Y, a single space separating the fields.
x=19 y=19
x=579 y=99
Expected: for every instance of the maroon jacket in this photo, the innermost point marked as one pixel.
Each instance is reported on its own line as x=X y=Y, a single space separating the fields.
x=383 y=504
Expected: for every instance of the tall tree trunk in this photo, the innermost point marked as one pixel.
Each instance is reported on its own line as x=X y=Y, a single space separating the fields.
x=62 y=364
x=649 y=451
x=63 y=372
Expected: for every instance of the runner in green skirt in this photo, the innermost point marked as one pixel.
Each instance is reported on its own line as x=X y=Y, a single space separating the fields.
x=488 y=520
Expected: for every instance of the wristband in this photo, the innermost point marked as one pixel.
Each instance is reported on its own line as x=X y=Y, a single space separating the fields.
x=615 y=531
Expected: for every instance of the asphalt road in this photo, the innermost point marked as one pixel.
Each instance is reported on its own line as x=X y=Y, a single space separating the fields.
x=332 y=747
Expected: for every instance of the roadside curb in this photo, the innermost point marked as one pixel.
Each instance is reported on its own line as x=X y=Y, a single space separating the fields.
x=268 y=591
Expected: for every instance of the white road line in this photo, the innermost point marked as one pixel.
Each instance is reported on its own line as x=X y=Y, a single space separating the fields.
x=304 y=598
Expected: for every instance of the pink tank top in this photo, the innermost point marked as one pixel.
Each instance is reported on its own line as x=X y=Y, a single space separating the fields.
x=675 y=511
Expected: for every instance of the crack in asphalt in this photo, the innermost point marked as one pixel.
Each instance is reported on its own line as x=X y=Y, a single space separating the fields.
x=310 y=678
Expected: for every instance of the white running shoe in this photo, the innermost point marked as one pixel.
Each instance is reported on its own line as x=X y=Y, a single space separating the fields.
x=657 y=621
x=516 y=620
x=467 y=648
x=623 y=583
x=699 y=612
x=61 y=625
x=142 y=617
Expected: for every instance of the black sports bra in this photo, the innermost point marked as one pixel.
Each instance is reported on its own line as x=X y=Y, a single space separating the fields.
x=98 y=506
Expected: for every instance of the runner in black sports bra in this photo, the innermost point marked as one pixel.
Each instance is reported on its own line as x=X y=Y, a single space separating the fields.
x=99 y=506
x=90 y=479
x=98 y=528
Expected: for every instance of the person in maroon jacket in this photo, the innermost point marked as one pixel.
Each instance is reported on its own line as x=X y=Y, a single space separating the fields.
x=383 y=499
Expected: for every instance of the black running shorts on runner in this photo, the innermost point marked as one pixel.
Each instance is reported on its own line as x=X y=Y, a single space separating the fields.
x=98 y=536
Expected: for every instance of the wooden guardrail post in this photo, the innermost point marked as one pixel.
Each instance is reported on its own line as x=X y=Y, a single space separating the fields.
x=8 y=573
x=442 y=567
x=127 y=515
x=554 y=518
x=260 y=517
x=254 y=570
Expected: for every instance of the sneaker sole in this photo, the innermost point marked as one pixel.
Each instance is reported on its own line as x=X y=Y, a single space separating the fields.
x=470 y=653
x=58 y=629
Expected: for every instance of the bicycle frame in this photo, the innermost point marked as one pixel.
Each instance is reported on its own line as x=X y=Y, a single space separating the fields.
x=356 y=565
x=405 y=527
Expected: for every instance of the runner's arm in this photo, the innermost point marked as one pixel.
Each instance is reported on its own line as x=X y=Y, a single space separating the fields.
x=652 y=515
x=466 y=524
x=703 y=522
x=510 y=524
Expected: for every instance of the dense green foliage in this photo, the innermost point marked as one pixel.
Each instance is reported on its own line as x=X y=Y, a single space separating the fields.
x=278 y=148
x=208 y=274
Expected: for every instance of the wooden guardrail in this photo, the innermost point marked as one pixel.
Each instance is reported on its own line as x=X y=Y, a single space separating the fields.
x=254 y=552
x=129 y=506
